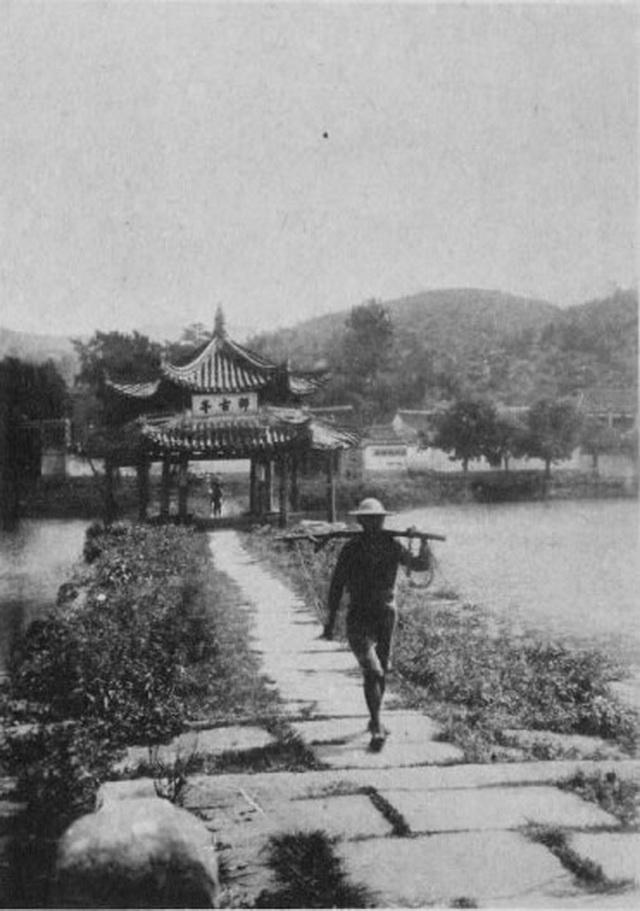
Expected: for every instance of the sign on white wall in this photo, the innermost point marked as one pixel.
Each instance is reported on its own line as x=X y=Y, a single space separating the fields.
x=232 y=403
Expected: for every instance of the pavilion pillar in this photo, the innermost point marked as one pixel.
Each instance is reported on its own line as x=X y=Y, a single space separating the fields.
x=253 y=488
x=268 y=487
x=142 y=469
x=183 y=487
x=284 y=490
x=109 y=497
x=331 y=487
x=165 y=488
x=295 y=491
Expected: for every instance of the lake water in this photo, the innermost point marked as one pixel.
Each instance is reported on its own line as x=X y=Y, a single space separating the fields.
x=35 y=559
x=569 y=568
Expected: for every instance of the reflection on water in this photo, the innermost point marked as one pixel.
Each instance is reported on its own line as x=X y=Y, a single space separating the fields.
x=567 y=568
x=35 y=559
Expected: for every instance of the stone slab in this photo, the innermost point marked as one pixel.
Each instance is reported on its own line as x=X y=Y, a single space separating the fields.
x=414 y=873
x=494 y=774
x=420 y=778
x=350 y=702
x=266 y=788
x=204 y=742
x=618 y=853
x=409 y=743
x=356 y=755
x=332 y=730
x=319 y=663
x=495 y=808
x=349 y=816
x=132 y=789
x=237 y=819
x=405 y=727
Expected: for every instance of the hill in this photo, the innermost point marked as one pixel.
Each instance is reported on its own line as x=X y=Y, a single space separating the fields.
x=447 y=342
x=510 y=348
x=453 y=320
x=37 y=349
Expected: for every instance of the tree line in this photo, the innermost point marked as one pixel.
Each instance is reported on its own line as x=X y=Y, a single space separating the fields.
x=550 y=430
x=363 y=374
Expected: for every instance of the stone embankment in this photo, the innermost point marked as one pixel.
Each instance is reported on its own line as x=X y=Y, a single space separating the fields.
x=413 y=823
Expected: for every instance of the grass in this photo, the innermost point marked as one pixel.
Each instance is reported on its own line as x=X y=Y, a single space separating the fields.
x=474 y=671
x=588 y=874
x=394 y=817
x=471 y=671
x=615 y=795
x=556 y=840
x=310 y=875
x=229 y=684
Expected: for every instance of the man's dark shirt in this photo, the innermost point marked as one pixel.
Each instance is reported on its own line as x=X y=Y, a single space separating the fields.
x=367 y=567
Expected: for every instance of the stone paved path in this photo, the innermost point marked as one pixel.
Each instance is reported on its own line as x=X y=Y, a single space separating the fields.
x=413 y=823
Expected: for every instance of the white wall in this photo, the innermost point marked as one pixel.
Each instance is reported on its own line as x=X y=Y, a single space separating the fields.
x=381 y=457
x=436 y=460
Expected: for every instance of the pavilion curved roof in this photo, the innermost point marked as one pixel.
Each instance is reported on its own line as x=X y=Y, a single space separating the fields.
x=326 y=435
x=228 y=436
x=143 y=390
x=241 y=436
x=223 y=366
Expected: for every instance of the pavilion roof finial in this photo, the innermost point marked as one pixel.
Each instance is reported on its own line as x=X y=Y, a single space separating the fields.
x=219 y=328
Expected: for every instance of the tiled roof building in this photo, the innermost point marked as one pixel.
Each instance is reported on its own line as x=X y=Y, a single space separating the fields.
x=617 y=406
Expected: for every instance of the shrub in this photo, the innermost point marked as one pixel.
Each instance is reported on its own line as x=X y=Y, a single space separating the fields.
x=119 y=659
x=59 y=768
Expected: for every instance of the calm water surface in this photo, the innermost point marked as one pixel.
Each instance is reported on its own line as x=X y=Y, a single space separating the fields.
x=35 y=559
x=567 y=568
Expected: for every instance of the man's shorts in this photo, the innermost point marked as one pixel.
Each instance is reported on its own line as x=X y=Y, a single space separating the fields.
x=370 y=639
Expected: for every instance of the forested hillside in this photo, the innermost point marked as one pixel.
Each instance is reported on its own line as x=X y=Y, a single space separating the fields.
x=448 y=343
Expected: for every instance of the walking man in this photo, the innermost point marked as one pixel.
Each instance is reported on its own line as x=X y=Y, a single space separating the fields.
x=367 y=567
x=215 y=497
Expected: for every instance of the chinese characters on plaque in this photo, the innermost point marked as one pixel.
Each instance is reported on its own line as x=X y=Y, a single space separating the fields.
x=232 y=403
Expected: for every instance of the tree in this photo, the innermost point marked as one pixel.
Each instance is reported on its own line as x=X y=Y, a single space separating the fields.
x=368 y=341
x=596 y=438
x=467 y=430
x=194 y=337
x=509 y=440
x=363 y=358
x=553 y=431
x=119 y=356
x=116 y=356
x=28 y=392
x=629 y=443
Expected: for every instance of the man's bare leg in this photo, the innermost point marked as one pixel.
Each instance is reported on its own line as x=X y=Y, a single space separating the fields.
x=373 y=693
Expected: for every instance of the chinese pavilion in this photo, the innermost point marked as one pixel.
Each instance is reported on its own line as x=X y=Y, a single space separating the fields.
x=227 y=402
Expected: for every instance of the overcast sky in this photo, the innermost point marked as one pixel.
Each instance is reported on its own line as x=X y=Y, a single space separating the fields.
x=287 y=160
